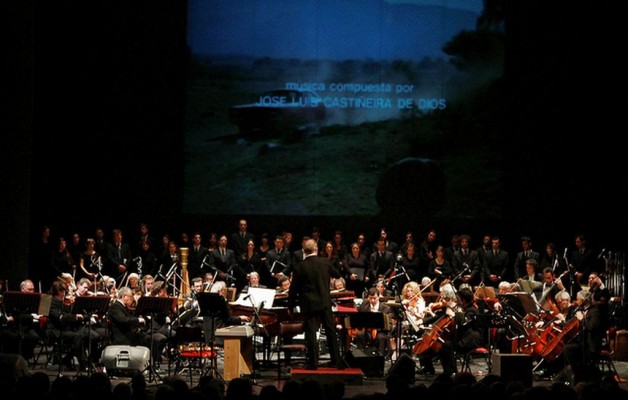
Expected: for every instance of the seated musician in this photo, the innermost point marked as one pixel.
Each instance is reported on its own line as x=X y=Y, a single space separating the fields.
x=414 y=305
x=382 y=291
x=283 y=285
x=62 y=323
x=283 y=289
x=97 y=323
x=253 y=278
x=129 y=329
x=546 y=293
x=20 y=328
x=224 y=318
x=374 y=337
x=147 y=284
x=565 y=313
x=338 y=284
x=190 y=308
x=414 y=310
x=461 y=336
x=582 y=353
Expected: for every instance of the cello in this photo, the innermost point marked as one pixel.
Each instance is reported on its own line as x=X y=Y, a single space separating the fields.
x=433 y=338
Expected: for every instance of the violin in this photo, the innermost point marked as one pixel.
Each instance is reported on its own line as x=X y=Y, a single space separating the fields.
x=68 y=300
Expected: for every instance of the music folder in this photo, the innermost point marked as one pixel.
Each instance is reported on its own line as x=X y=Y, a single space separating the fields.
x=359 y=272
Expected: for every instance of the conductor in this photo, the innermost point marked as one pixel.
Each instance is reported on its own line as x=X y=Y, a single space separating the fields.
x=310 y=289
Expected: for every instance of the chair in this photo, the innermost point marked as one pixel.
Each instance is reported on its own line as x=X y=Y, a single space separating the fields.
x=52 y=348
x=605 y=359
x=192 y=351
x=478 y=352
x=287 y=331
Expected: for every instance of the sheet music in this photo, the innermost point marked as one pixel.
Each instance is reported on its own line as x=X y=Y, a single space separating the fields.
x=255 y=296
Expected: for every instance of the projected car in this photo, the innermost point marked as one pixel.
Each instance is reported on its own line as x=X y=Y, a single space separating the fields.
x=279 y=112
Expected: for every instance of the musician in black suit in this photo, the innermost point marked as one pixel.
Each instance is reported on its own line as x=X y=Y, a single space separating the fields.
x=309 y=289
x=128 y=329
x=118 y=258
x=364 y=338
x=62 y=323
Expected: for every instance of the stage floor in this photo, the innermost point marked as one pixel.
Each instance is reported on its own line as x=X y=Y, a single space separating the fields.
x=264 y=374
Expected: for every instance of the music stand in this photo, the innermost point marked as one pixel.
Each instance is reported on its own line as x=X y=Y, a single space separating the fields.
x=214 y=306
x=520 y=303
x=367 y=319
x=88 y=305
x=153 y=306
x=21 y=303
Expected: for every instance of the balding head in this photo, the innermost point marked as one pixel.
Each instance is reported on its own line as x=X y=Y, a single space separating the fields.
x=310 y=247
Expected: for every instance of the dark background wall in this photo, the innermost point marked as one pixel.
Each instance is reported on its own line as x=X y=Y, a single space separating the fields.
x=94 y=132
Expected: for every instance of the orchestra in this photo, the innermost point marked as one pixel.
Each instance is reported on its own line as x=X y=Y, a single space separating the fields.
x=533 y=315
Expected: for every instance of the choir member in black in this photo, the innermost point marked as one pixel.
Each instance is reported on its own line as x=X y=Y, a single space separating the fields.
x=582 y=262
x=223 y=260
x=61 y=260
x=357 y=266
x=497 y=265
x=468 y=262
x=196 y=256
x=278 y=260
x=118 y=260
x=382 y=261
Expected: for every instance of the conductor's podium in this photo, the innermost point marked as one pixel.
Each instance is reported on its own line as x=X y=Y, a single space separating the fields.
x=238 y=345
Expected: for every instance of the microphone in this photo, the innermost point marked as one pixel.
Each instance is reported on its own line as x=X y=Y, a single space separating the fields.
x=159 y=270
x=203 y=262
x=565 y=253
x=466 y=266
x=246 y=297
x=439 y=272
x=601 y=253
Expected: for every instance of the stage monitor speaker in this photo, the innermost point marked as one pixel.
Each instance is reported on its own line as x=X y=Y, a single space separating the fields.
x=122 y=360
x=368 y=360
x=513 y=367
x=404 y=368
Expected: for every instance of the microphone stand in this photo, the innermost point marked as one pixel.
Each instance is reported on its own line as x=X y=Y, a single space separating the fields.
x=172 y=272
x=227 y=275
x=257 y=322
x=99 y=273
